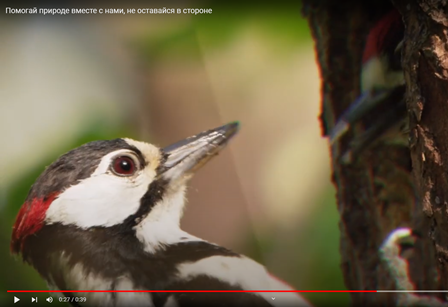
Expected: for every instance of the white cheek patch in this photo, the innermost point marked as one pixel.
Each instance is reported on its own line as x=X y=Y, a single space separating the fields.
x=103 y=199
x=374 y=75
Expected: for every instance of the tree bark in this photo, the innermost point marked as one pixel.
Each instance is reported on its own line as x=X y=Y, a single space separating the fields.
x=376 y=194
x=425 y=63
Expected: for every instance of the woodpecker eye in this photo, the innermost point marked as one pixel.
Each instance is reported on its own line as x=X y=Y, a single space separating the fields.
x=124 y=166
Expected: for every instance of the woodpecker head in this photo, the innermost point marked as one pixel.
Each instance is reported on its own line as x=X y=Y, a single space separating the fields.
x=381 y=60
x=382 y=90
x=118 y=183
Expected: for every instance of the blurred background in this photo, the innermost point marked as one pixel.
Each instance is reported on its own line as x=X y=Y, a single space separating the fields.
x=66 y=80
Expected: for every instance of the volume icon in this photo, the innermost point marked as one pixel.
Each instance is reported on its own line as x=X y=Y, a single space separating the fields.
x=49 y=299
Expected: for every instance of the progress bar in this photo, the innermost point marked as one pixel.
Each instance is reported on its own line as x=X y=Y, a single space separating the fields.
x=413 y=291
x=232 y=291
x=192 y=291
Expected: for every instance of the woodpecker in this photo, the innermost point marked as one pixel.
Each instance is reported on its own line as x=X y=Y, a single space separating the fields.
x=382 y=90
x=106 y=216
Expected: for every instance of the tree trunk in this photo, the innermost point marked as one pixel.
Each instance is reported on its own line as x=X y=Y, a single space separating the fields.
x=376 y=194
x=425 y=63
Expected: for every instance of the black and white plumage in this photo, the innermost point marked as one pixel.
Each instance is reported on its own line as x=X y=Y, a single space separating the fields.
x=106 y=216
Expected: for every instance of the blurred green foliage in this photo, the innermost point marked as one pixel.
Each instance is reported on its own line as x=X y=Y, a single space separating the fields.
x=282 y=26
x=322 y=238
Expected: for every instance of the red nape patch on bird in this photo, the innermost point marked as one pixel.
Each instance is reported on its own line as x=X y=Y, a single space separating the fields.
x=377 y=37
x=29 y=220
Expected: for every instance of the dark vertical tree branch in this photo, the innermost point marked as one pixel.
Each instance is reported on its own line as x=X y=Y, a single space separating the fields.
x=376 y=193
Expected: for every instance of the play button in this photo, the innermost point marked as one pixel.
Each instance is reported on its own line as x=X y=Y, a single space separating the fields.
x=16 y=299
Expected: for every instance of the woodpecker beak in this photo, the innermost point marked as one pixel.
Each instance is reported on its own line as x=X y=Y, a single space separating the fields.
x=185 y=157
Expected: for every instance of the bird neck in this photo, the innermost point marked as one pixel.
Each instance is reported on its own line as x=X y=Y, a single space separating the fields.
x=161 y=226
x=155 y=235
